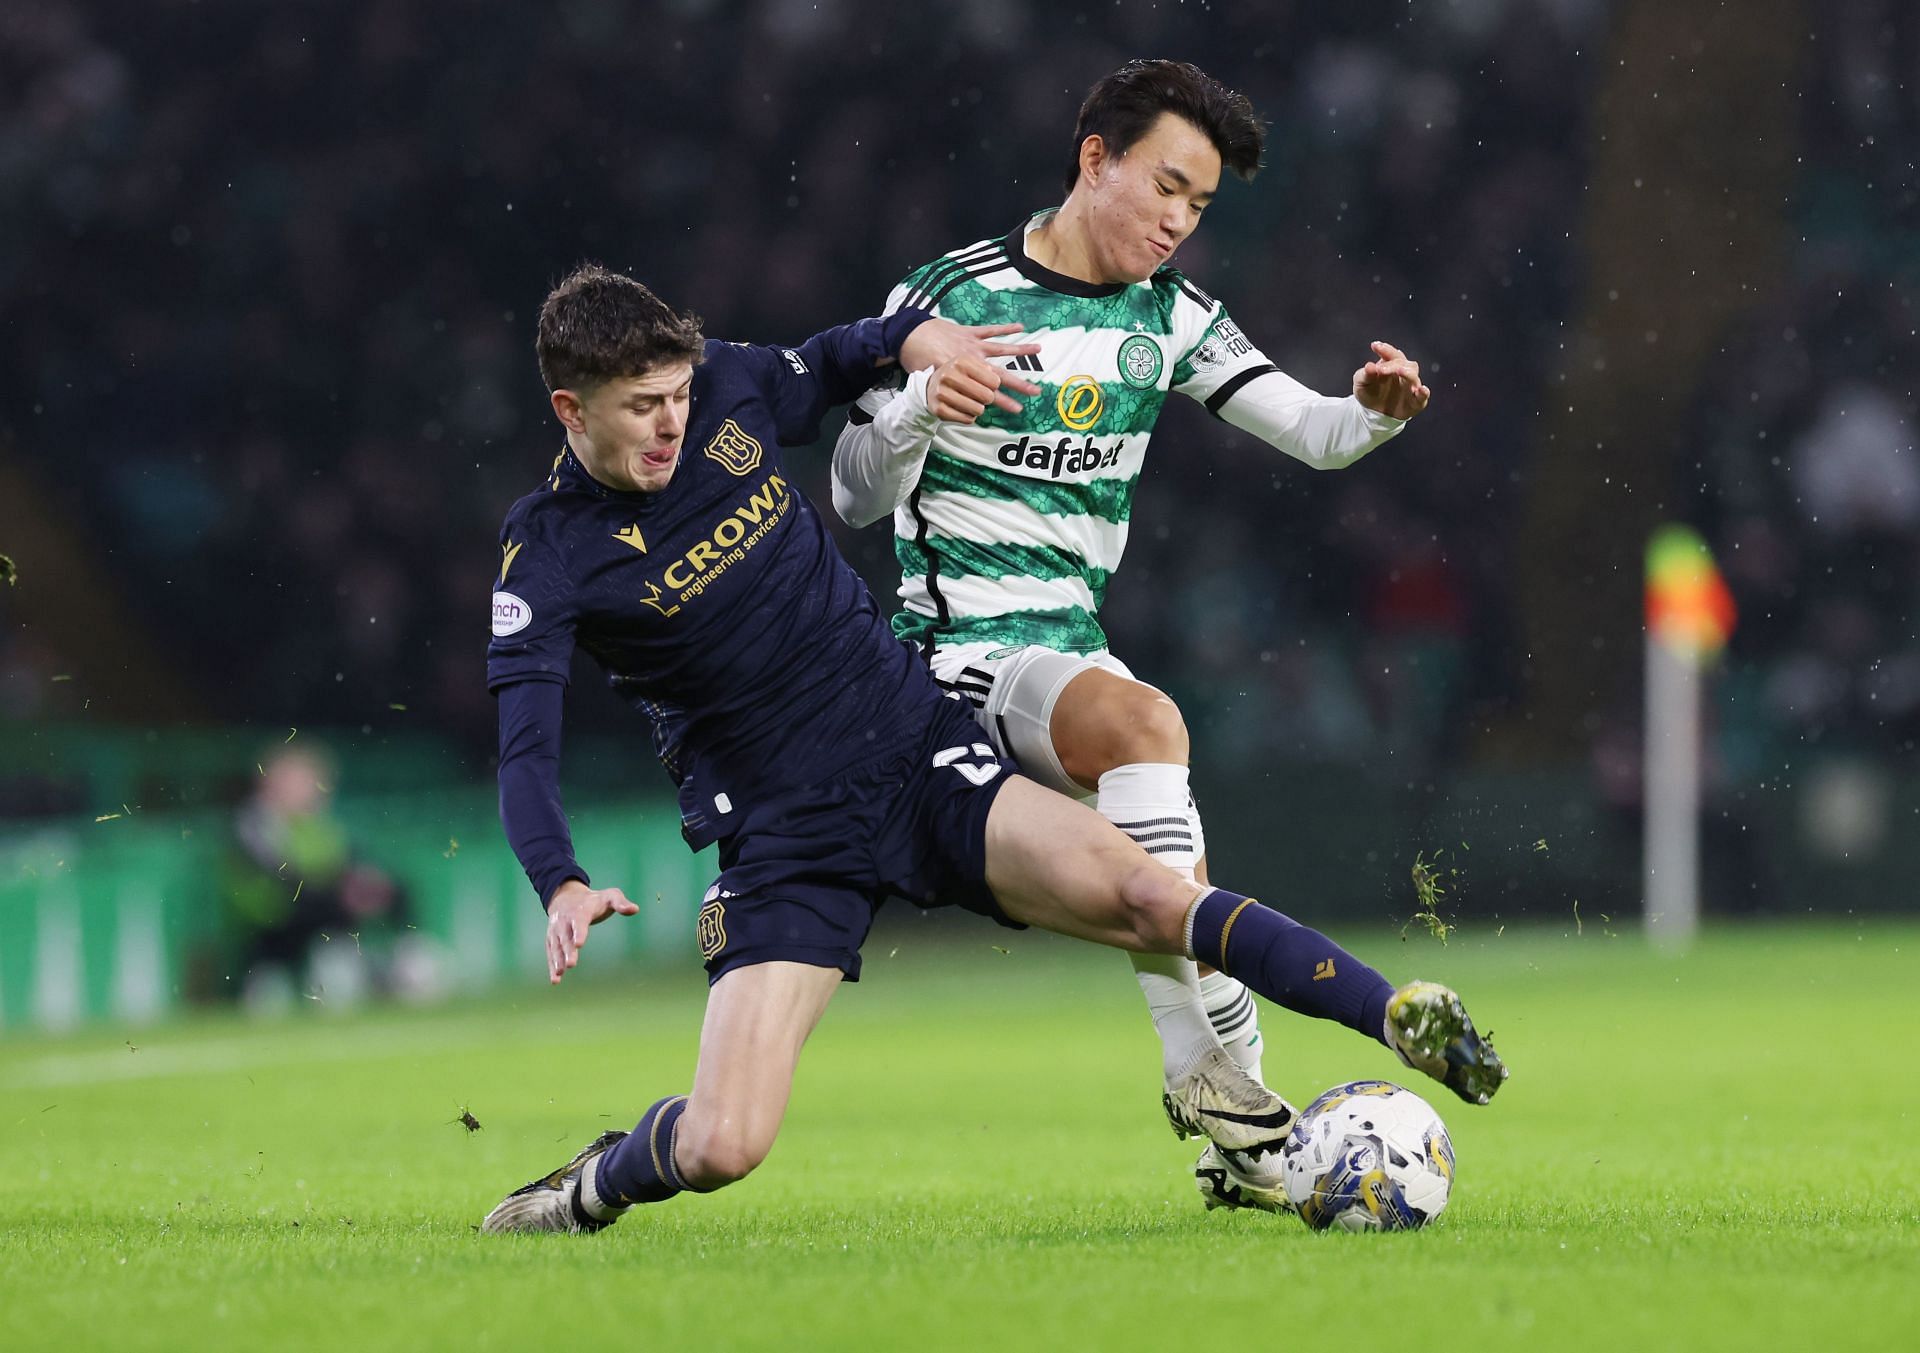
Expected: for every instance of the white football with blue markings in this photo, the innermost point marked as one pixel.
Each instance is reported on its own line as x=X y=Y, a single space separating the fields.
x=1369 y=1156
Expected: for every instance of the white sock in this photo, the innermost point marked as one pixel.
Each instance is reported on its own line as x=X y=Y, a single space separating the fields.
x=1235 y=1019
x=1172 y=988
x=1150 y=803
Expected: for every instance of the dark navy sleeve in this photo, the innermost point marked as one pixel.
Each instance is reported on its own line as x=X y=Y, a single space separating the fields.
x=833 y=367
x=530 y=808
x=533 y=611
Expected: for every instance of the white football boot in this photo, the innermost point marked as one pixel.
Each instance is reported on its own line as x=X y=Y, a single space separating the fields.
x=1244 y=1179
x=1218 y=1100
x=552 y=1202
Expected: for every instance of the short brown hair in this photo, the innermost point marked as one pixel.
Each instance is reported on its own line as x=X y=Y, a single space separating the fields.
x=1121 y=108
x=599 y=325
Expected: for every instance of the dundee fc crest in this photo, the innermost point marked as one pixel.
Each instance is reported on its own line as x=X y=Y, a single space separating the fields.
x=712 y=928
x=734 y=449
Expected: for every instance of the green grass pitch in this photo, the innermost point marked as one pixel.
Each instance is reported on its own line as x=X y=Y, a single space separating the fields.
x=1718 y=1151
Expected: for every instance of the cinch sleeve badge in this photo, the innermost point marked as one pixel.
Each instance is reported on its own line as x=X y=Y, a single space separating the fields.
x=510 y=614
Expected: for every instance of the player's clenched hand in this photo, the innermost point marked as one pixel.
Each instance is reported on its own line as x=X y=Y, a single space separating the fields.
x=941 y=340
x=570 y=911
x=960 y=390
x=1390 y=384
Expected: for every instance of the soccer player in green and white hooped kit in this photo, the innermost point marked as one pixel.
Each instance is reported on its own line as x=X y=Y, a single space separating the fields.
x=1008 y=526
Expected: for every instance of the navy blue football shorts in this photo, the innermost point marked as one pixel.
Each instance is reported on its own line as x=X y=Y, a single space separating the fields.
x=803 y=874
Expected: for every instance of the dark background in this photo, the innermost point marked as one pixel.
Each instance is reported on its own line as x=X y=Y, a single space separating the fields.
x=267 y=281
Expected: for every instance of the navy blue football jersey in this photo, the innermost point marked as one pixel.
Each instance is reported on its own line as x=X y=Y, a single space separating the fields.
x=719 y=606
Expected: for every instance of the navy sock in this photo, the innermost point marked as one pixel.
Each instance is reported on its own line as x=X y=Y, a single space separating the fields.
x=640 y=1168
x=1287 y=962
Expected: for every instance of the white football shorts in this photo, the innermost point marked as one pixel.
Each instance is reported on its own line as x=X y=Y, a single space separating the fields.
x=1013 y=691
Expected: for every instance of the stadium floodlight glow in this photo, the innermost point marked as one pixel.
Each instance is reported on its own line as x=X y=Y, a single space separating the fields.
x=1690 y=615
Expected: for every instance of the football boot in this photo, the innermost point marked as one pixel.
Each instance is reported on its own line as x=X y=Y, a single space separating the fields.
x=1428 y=1027
x=1243 y=1180
x=552 y=1202
x=1218 y=1100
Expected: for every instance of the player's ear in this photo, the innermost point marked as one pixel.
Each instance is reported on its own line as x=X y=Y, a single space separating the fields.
x=567 y=408
x=1093 y=157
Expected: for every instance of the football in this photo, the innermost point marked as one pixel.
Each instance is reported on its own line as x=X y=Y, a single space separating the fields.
x=1368 y=1156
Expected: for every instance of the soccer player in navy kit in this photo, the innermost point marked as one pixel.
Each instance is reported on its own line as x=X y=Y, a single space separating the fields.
x=808 y=742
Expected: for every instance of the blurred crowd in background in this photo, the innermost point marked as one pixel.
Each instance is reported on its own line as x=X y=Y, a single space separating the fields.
x=268 y=277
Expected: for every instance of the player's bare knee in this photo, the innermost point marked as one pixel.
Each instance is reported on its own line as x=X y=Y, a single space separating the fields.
x=711 y=1159
x=1149 y=729
x=716 y=1164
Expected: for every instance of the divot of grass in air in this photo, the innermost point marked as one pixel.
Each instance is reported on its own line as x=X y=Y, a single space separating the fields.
x=1428 y=891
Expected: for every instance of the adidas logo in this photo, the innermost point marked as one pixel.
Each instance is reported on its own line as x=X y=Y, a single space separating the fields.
x=1029 y=361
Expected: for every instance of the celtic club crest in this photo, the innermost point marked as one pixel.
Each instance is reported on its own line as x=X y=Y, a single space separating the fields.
x=1140 y=362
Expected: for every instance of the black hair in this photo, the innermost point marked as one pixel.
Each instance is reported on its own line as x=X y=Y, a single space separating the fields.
x=1121 y=108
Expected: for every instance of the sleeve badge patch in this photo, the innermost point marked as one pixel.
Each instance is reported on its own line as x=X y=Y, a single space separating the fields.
x=510 y=614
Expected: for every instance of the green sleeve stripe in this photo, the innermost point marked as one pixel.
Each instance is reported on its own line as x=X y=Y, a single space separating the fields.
x=1069 y=630
x=1108 y=499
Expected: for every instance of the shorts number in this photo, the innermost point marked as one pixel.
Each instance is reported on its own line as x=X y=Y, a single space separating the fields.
x=957 y=758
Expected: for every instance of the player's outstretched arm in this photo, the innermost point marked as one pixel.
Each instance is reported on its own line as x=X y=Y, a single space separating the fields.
x=529 y=778
x=878 y=455
x=877 y=459
x=1390 y=384
x=1239 y=385
x=1324 y=431
x=835 y=366
x=536 y=824
x=939 y=342
x=574 y=907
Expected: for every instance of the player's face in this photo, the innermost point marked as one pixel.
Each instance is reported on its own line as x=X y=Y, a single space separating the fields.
x=633 y=428
x=1144 y=203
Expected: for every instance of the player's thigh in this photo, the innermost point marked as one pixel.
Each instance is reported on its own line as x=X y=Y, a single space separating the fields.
x=1055 y=863
x=758 y=1018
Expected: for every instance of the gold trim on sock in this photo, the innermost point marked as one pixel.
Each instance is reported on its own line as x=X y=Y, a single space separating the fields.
x=1227 y=929
x=653 y=1142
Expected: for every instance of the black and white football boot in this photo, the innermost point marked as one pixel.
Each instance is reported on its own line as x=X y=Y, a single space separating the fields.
x=1220 y=1101
x=553 y=1202
x=1241 y=1180
x=1246 y=1126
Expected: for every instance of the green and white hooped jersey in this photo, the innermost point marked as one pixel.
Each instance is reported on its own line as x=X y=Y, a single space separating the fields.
x=1018 y=520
